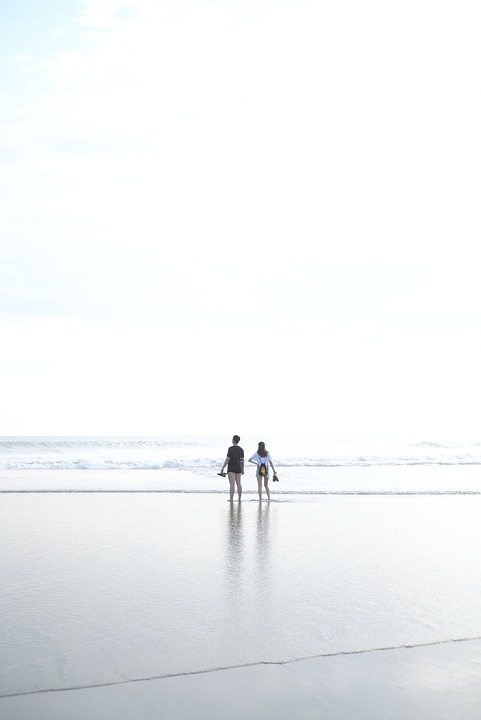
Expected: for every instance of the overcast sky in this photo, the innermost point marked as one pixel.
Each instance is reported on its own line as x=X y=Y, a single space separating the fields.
x=250 y=216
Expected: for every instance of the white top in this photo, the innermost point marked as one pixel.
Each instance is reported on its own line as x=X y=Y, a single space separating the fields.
x=261 y=460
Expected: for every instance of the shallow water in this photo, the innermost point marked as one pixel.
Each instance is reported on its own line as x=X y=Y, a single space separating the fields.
x=400 y=479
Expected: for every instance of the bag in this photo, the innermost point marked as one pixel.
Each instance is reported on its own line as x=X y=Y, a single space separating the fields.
x=263 y=470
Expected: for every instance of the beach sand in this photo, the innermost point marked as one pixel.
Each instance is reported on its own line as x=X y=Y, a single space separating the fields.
x=439 y=683
x=177 y=605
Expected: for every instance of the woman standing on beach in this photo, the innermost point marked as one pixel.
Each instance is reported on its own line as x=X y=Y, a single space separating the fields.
x=263 y=459
x=235 y=467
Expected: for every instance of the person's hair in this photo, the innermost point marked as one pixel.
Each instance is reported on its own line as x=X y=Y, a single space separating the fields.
x=236 y=439
x=261 y=450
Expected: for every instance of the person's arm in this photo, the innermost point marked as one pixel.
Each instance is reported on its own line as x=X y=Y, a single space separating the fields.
x=272 y=464
x=251 y=460
x=242 y=465
x=226 y=462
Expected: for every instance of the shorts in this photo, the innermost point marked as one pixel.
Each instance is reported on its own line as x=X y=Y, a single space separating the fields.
x=234 y=469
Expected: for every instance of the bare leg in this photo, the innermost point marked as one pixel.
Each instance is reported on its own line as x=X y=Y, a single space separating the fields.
x=266 y=485
x=231 y=484
x=259 y=486
x=238 y=478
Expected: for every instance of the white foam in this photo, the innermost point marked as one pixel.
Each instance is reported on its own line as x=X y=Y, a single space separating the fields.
x=196 y=454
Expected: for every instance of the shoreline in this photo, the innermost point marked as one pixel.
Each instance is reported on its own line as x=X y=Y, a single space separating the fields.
x=439 y=681
x=408 y=479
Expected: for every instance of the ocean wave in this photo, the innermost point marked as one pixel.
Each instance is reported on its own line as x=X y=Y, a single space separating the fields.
x=192 y=466
x=202 y=454
x=62 y=444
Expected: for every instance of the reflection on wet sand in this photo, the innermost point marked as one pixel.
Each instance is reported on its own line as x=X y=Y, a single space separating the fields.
x=247 y=561
x=262 y=579
x=262 y=533
x=235 y=559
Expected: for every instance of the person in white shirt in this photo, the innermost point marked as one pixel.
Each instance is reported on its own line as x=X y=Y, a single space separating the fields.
x=263 y=459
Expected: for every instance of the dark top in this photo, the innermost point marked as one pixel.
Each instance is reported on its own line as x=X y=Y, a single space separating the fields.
x=235 y=453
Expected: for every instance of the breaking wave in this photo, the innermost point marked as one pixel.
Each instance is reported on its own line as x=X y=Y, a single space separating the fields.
x=194 y=454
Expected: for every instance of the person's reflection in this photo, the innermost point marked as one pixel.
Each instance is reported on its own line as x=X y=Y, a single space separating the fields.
x=262 y=579
x=235 y=552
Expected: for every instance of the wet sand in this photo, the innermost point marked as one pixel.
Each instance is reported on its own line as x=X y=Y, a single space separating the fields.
x=441 y=682
x=177 y=605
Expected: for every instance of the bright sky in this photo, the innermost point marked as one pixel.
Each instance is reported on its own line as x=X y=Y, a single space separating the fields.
x=249 y=216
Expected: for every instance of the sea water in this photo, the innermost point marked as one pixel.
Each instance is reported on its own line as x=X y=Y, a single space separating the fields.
x=190 y=464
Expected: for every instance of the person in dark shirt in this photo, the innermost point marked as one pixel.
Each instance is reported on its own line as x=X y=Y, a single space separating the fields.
x=235 y=467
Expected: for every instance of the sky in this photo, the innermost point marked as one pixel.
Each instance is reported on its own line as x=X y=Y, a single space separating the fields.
x=240 y=216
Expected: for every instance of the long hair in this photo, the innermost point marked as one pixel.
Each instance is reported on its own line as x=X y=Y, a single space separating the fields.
x=261 y=450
